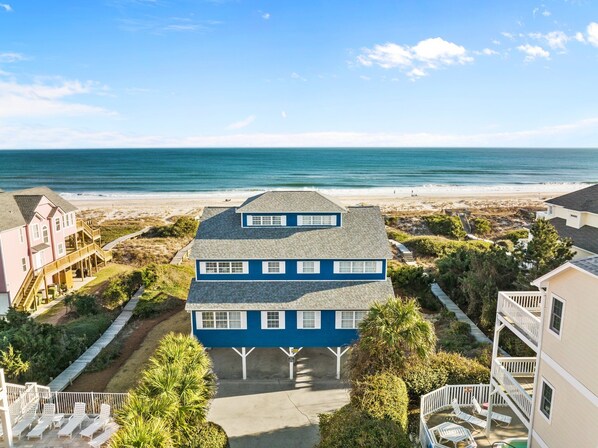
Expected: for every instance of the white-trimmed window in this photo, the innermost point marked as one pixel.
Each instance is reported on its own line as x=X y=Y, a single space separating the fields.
x=60 y=248
x=223 y=267
x=556 y=315
x=308 y=267
x=21 y=235
x=57 y=223
x=46 y=234
x=273 y=267
x=273 y=320
x=358 y=267
x=308 y=320
x=35 y=231
x=316 y=220
x=266 y=221
x=546 y=399
x=349 y=319
x=70 y=219
x=24 y=264
x=221 y=320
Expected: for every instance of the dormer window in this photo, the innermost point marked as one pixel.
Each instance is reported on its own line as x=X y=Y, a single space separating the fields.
x=266 y=220
x=316 y=220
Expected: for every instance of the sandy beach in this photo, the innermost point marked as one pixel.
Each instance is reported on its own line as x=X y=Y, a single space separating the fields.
x=399 y=201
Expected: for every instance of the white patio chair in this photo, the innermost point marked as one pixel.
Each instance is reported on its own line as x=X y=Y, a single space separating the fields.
x=103 y=438
x=467 y=418
x=75 y=421
x=98 y=423
x=26 y=421
x=44 y=422
x=495 y=415
x=469 y=441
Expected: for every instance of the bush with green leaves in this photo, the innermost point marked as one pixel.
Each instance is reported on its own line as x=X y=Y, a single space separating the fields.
x=169 y=406
x=515 y=235
x=449 y=226
x=114 y=295
x=409 y=278
x=355 y=428
x=183 y=227
x=437 y=246
x=82 y=304
x=210 y=435
x=397 y=235
x=480 y=226
x=508 y=245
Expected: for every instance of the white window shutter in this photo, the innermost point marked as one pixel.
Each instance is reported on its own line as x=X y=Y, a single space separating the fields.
x=333 y=220
x=245 y=267
x=337 y=319
x=243 y=320
x=283 y=220
x=299 y=267
x=198 y=320
x=264 y=267
x=316 y=267
x=264 y=320
x=249 y=220
x=300 y=320
x=202 y=267
x=281 y=320
x=282 y=265
x=336 y=267
x=299 y=220
x=318 y=319
x=378 y=267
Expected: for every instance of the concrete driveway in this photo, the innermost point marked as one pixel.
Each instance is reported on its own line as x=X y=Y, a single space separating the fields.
x=269 y=410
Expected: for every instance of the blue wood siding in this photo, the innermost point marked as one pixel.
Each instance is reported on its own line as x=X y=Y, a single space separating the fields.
x=292 y=218
x=291 y=336
x=255 y=272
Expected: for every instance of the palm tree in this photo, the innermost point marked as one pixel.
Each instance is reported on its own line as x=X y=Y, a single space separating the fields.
x=392 y=333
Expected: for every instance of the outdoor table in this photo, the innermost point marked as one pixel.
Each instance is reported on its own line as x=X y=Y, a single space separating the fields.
x=453 y=432
x=57 y=420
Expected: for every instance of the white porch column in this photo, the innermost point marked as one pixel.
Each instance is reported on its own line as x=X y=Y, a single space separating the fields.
x=244 y=354
x=291 y=354
x=4 y=412
x=338 y=353
x=495 y=346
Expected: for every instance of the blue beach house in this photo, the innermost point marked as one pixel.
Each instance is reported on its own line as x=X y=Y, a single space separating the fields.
x=287 y=269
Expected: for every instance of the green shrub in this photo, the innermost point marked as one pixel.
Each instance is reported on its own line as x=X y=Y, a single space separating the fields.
x=114 y=295
x=515 y=235
x=382 y=396
x=445 y=225
x=397 y=235
x=436 y=246
x=351 y=427
x=409 y=278
x=82 y=304
x=459 y=327
x=508 y=245
x=210 y=435
x=481 y=226
x=89 y=328
x=152 y=303
x=183 y=227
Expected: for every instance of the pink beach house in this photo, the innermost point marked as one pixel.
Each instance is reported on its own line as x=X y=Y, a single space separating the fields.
x=42 y=247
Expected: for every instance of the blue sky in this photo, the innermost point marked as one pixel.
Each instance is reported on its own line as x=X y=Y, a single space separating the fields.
x=120 y=73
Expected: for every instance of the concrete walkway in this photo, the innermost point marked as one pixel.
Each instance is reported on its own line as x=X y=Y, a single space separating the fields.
x=181 y=254
x=128 y=236
x=461 y=316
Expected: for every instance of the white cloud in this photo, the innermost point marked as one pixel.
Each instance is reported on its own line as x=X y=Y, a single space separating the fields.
x=593 y=33
x=12 y=57
x=242 y=123
x=266 y=16
x=283 y=114
x=548 y=136
x=46 y=99
x=533 y=52
x=496 y=42
x=296 y=75
x=546 y=13
x=487 y=52
x=365 y=78
x=557 y=40
x=6 y=7
x=508 y=35
x=579 y=37
x=429 y=54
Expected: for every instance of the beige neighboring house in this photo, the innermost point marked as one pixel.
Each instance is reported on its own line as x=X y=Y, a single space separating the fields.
x=551 y=396
x=575 y=216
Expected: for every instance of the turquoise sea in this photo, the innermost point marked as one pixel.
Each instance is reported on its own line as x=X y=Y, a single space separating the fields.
x=126 y=172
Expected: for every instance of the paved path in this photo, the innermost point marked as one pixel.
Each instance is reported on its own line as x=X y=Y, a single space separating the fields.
x=63 y=380
x=181 y=254
x=128 y=236
x=452 y=306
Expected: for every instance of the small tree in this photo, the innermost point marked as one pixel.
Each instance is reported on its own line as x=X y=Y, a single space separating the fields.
x=389 y=335
x=12 y=363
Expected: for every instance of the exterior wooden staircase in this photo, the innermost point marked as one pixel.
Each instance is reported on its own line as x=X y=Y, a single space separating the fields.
x=92 y=233
x=33 y=281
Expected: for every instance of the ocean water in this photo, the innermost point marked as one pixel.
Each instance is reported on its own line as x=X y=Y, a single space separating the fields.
x=138 y=172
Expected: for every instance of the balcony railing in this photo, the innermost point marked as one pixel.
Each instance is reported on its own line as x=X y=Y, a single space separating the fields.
x=522 y=311
x=510 y=375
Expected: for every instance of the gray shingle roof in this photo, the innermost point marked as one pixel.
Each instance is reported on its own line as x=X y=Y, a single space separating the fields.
x=291 y=295
x=220 y=236
x=588 y=264
x=289 y=202
x=584 y=200
x=17 y=208
x=585 y=238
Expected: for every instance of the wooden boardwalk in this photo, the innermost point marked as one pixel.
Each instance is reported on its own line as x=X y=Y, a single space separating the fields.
x=128 y=236
x=182 y=254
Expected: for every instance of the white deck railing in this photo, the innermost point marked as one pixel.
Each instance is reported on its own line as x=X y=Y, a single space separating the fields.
x=441 y=399
x=518 y=308
x=504 y=371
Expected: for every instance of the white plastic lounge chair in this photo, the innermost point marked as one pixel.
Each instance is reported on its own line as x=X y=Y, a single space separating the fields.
x=75 y=421
x=98 y=423
x=467 y=418
x=103 y=438
x=469 y=440
x=44 y=422
x=26 y=422
x=495 y=415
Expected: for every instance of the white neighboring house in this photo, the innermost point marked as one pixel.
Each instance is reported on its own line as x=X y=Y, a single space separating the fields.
x=575 y=216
